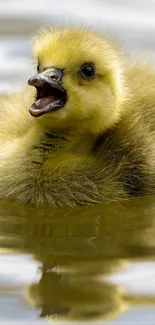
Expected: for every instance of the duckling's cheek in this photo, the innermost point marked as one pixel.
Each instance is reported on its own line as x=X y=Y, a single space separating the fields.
x=73 y=89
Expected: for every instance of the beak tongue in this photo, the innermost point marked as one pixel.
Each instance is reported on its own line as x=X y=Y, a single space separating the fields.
x=40 y=107
x=43 y=105
x=42 y=102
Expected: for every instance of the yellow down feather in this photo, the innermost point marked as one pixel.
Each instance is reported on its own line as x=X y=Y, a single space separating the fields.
x=99 y=146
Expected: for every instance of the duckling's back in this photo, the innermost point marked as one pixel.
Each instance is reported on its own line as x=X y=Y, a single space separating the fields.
x=130 y=146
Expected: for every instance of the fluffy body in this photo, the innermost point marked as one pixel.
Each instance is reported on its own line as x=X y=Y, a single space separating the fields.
x=100 y=146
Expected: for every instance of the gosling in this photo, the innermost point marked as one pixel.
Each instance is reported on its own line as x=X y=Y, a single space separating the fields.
x=85 y=132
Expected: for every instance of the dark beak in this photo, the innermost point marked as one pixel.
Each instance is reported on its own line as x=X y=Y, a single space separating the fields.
x=50 y=94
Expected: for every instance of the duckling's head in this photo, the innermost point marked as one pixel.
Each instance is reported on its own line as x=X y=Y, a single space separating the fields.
x=79 y=83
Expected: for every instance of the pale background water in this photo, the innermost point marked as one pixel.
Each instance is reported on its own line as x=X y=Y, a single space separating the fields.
x=98 y=243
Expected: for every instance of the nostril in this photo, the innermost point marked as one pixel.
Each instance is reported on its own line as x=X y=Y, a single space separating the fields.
x=55 y=74
x=54 y=77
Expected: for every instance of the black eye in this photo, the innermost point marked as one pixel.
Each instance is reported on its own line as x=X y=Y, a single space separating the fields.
x=88 y=71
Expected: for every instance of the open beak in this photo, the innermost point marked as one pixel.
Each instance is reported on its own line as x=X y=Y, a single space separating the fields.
x=50 y=96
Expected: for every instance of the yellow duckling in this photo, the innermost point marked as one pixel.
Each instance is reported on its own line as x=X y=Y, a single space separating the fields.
x=85 y=132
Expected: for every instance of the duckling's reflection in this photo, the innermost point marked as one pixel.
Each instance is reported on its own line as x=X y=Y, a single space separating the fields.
x=75 y=246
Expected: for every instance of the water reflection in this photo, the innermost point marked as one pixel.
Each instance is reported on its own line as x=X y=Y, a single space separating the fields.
x=78 y=249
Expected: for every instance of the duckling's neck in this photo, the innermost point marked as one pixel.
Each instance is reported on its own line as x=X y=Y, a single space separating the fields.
x=62 y=141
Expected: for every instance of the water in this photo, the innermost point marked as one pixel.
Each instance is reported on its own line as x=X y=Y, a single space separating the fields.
x=84 y=264
x=88 y=263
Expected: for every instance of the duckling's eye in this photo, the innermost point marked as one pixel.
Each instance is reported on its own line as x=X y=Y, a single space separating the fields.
x=87 y=71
